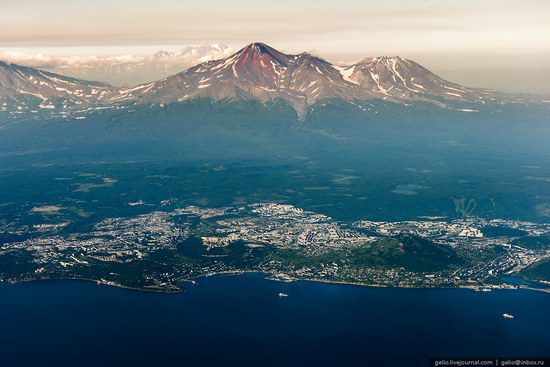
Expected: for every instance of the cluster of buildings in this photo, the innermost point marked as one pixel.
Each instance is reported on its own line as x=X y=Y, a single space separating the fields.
x=454 y=229
x=120 y=240
x=285 y=227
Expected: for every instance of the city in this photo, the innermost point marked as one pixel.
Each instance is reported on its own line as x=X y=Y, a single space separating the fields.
x=157 y=250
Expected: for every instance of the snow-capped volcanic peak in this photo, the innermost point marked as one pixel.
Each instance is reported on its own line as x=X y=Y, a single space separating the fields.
x=260 y=63
x=256 y=63
x=202 y=53
x=400 y=78
x=256 y=72
x=260 y=72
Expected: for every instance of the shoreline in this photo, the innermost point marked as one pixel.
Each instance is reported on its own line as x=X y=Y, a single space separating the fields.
x=97 y=282
x=266 y=276
x=359 y=284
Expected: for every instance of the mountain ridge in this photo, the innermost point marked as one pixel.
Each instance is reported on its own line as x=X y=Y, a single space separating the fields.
x=26 y=89
x=261 y=72
x=255 y=72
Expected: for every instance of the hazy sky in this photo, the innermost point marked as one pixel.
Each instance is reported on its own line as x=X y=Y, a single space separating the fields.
x=501 y=43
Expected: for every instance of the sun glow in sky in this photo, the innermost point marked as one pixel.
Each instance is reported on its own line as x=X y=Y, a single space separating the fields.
x=494 y=43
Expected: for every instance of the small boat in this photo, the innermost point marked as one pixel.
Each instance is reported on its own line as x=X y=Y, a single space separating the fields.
x=507 y=316
x=283 y=294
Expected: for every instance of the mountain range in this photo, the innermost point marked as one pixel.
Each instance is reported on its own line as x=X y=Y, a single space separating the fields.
x=122 y=70
x=256 y=72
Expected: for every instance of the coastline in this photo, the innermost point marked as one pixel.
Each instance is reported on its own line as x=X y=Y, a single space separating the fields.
x=359 y=284
x=174 y=289
x=96 y=281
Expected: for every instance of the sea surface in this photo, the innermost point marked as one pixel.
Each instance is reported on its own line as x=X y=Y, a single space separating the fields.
x=242 y=321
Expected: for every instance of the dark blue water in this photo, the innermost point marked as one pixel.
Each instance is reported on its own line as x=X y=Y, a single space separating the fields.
x=514 y=280
x=241 y=321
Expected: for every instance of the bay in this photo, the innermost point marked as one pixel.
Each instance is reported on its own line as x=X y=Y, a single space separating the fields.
x=242 y=321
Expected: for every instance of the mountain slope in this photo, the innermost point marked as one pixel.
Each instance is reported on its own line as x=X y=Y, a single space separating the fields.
x=409 y=252
x=24 y=89
x=399 y=78
x=538 y=272
x=256 y=72
x=260 y=72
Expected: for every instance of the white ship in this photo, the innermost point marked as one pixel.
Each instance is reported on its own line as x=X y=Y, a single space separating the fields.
x=507 y=316
x=283 y=294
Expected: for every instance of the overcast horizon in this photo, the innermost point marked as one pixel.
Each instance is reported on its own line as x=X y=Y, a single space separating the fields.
x=496 y=44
